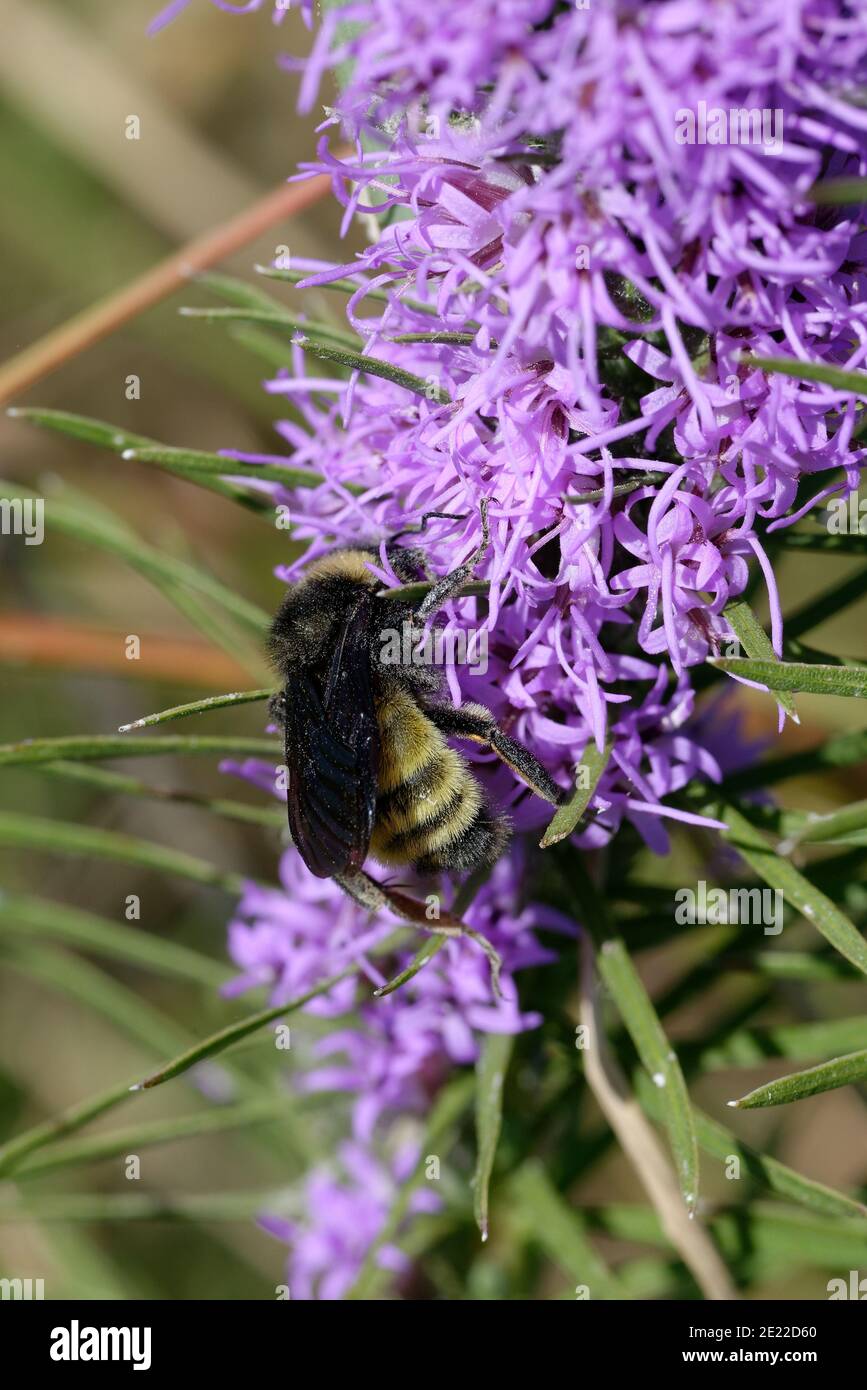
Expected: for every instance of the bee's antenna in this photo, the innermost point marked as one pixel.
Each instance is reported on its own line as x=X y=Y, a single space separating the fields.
x=422 y=526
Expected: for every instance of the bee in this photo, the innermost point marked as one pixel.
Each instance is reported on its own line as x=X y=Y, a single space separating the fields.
x=370 y=767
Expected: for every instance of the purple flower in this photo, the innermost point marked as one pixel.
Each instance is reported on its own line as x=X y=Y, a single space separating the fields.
x=596 y=216
x=345 y=1213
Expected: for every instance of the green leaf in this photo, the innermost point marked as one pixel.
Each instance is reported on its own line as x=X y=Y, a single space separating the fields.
x=191 y=462
x=723 y=1144
x=560 y=1230
x=791 y=675
x=374 y=366
x=86 y=1206
x=116 y=783
x=491 y=1068
x=567 y=816
x=840 y=1071
x=350 y=287
x=118 y=441
x=836 y=377
x=647 y=1033
x=639 y=480
x=442 y=338
x=795 y=965
x=98 y=993
x=750 y=1047
x=236 y=1032
x=838 y=192
x=797 y=890
x=70 y=1120
x=414 y=593
x=421 y=958
x=37 y=917
x=838 y=825
x=277 y=317
x=827 y=604
x=18 y=831
x=237 y=697
x=96 y=527
x=90 y=746
x=216 y=1121
x=755 y=641
x=820 y=541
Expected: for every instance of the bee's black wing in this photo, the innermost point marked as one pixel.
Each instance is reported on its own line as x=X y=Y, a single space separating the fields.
x=332 y=753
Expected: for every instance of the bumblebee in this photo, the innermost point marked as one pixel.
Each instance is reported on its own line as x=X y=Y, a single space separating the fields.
x=370 y=769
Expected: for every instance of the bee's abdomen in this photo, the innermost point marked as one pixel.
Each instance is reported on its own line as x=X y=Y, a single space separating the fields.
x=430 y=810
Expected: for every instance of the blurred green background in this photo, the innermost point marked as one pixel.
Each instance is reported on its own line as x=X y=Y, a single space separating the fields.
x=84 y=211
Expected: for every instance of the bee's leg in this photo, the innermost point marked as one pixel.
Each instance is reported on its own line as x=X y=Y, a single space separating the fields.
x=452 y=583
x=373 y=896
x=477 y=723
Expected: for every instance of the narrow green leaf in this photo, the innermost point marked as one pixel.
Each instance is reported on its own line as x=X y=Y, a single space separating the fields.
x=219 y=1120
x=279 y=319
x=820 y=541
x=444 y=337
x=421 y=958
x=567 y=816
x=755 y=641
x=637 y=481
x=750 y=1047
x=236 y=1032
x=790 y=675
x=18 y=831
x=95 y=527
x=118 y=441
x=414 y=593
x=836 y=377
x=80 y=427
x=835 y=826
x=763 y=1228
x=561 y=1231
x=236 y=697
x=89 y=746
x=99 y=993
x=723 y=1144
x=794 y=965
x=838 y=192
x=827 y=604
x=374 y=366
x=350 y=287
x=195 y=461
x=86 y=1206
x=491 y=1068
x=647 y=1033
x=68 y=1122
x=802 y=895
x=116 y=783
x=840 y=1071
x=33 y=917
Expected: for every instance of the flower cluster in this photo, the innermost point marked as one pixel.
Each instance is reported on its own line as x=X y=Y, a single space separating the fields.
x=590 y=219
